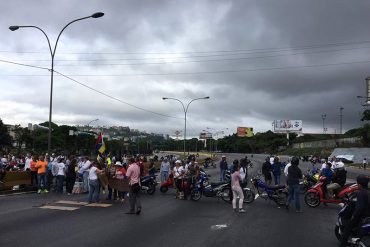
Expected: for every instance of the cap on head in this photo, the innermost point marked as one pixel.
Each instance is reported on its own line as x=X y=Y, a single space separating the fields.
x=118 y=163
x=178 y=162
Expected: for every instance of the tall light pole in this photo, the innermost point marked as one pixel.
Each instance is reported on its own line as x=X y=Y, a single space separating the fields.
x=88 y=124
x=323 y=116
x=341 y=119
x=185 y=112
x=52 y=54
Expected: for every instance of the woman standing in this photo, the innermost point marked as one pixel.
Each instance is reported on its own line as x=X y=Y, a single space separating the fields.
x=178 y=173
x=237 y=190
x=71 y=175
x=60 y=175
x=94 y=183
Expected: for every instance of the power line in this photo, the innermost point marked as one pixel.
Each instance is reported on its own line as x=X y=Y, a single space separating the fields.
x=114 y=98
x=209 y=60
x=192 y=52
x=25 y=65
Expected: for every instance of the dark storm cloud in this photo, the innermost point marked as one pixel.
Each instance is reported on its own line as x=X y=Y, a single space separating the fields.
x=253 y=90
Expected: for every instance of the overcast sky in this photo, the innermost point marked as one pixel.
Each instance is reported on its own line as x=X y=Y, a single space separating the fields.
x=257 y=61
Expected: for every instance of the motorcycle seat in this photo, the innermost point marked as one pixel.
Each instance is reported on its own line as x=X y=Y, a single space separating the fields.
x=214 y=184
x=275 y=187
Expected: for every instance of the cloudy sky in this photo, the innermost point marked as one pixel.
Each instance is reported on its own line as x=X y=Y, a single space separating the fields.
x=257 y=61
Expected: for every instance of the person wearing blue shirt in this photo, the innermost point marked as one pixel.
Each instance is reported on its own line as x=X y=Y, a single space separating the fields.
x=328 y=173
x=276 y=170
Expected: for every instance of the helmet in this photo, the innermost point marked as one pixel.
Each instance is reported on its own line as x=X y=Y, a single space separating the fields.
x=295 y=161
x=363 y=180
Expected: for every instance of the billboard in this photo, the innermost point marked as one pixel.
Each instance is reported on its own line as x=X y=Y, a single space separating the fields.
x=244 y=131
x=288 y=125
x=205 y=135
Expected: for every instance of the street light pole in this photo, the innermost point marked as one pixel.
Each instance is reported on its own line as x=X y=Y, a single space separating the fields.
x=52 y=54
x=88 y=124
x=185 y=112
x=323 y=122
x=341 y=119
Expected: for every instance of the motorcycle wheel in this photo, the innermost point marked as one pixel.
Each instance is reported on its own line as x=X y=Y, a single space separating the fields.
x=248 y=196
x=151 y=189
x=337 y=234
x=195 y=195
x=226 y=195
x=282 y=197
x=312 y=199
x=163 y=189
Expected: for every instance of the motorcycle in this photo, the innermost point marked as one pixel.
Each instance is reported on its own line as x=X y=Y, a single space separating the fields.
x=277 y=193
x=316 y=195
x=361 y=235
x=148 y=184
x=309 y=180
x=166 y=184
x=203 y=188
x=209 y=162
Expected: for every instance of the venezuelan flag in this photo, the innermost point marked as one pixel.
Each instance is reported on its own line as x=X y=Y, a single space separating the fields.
x=100 y=145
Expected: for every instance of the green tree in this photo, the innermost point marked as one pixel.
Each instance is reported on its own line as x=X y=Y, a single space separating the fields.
x=5 y=139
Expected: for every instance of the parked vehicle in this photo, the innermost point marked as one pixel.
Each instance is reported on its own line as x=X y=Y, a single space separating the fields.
x=204 y=188
x=316 y=195
x=148 y=184
x=361 y=235
x=278 y=193
x=208 y=162
x=167 y=184
x=309 y=180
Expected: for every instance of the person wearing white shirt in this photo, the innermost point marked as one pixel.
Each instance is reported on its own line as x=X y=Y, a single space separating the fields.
x=94 y=183
x=27 y=163
x=178 y=173
x=286 y=169
x=60 y=175
x=364 y=163
x=85 y=171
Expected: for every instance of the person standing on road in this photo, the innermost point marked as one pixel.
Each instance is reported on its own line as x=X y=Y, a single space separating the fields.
x=237 y=190
x=133 y=173
x=266 y=171
x=61 y=175
x=276 y=170
x=33 y=169
x=41 y=166
x=165 y=169
x=178 y=173
x=364 y=163
x=294 y=175
x=71 y=175
x=94 y=183
x=85 y=174
x=223 y=168
x=27 y=163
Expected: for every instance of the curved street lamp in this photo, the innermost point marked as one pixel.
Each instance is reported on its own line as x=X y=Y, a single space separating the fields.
x=185 y=112
x=88 y=124
x=52 y=53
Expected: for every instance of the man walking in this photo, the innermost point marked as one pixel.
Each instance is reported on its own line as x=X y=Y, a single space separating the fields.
x=133 y=173
x=364 y=163
x=223 y=168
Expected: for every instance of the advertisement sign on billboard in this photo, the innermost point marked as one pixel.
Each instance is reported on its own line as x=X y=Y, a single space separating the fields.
x=288 y=125
x=205 y=135
x=244 y=131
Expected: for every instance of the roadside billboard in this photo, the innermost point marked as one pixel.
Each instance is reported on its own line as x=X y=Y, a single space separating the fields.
x=205 y=135
x=288 y=125
x=244 y=131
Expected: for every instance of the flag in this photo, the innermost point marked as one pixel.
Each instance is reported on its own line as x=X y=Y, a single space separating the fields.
x=100 y=145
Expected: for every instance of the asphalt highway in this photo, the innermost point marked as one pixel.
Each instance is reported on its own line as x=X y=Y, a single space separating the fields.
x=32 y=220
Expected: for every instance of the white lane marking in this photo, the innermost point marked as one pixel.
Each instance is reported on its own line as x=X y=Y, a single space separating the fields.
x=60 y=208
x=218 y=227
x=71 y=202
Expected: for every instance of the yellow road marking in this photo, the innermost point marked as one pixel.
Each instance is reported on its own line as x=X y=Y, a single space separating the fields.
x=101 y=205
x=60 y=208
x=71 y=202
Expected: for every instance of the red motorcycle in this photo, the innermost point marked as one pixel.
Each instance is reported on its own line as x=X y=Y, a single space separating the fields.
x=166 y=184
x=316 y=195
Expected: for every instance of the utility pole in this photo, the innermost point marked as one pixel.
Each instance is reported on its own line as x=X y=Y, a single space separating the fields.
x=323 y=116
x=341 y=119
